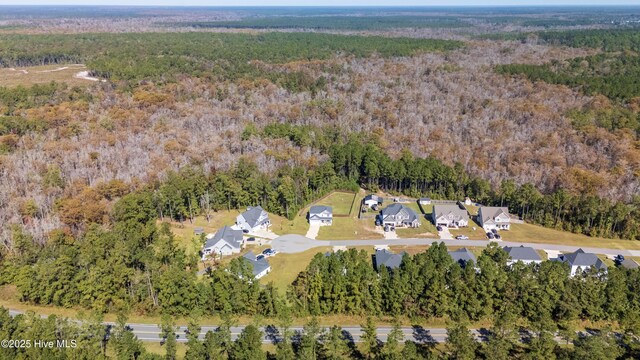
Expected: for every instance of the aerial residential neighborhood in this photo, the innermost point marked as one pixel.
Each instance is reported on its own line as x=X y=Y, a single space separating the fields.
x=320 y=180
x=384 y=215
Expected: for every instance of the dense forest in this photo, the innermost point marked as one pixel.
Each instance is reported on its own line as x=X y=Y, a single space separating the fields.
x=336 y=22
x=163 y=56
x=615 y=76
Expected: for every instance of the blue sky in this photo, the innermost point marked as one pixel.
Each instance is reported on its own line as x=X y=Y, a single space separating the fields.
x=322 y=2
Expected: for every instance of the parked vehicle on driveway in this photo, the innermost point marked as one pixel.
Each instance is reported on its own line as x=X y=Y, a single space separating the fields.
x=269 y=252
x=251 y=239
x=260 y=257
x=439 y=228
x=490 y=235
x=498 y=237
x=495 y=231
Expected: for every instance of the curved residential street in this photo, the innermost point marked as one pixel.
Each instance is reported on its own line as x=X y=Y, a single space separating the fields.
x=291 y=244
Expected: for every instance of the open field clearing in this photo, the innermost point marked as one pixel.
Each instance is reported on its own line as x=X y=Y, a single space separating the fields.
x=538 y=234
x=26 y=76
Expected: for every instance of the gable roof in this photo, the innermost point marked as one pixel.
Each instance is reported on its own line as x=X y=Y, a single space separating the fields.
x=258 y=265
x=231 y=236
x=488 y=213
x=388 y=259
x=583 y=259
x=454 y=210
x=396 y=209
x=373 y=197
x=252 y=215
x=462 y=256
x=523 y=253
x=317 y=210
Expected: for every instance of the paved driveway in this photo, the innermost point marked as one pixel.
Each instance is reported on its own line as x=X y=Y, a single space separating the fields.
x=445 y=234
x=312 y=233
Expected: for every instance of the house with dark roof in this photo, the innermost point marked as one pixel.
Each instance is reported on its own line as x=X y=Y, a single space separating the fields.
x=491 y=217
x=226 y=241
x=321 y=215
x=386 y=258
x=372 y=200
x=462 y=256
x=449 y=216
x=583 y=261
x=398 y=215
x=524 y=254
x=253 y=219
x=260 y=267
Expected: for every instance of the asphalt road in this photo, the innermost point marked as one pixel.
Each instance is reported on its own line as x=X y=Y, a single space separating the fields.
x=290 y=244
x=151 y=332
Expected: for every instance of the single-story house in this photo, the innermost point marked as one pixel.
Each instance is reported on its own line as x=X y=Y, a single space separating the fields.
x=372 y=200
x=253 y=219
x=398 y=215
x=321 y=215
x=386 y=258
x=524 y=254
x=462 y=256
x=424 y=201
x=260 y=267
x=581 y=260
x=226 y=241
x=449 y=216
x=490 y=217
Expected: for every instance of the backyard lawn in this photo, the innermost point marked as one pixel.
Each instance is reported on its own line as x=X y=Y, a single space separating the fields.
x=339 y=201
x=286 y=267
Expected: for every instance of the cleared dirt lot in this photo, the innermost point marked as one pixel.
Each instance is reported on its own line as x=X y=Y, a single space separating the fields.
x=27 y=76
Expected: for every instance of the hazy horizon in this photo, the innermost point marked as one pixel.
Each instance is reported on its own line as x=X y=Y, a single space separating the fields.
x=324 y=4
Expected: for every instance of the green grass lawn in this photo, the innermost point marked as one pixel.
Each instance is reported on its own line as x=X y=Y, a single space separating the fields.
x=478 y=233
x=339 y=201
x=538 y=234
x=349 y=228
x=286 y=267
x=472 y=210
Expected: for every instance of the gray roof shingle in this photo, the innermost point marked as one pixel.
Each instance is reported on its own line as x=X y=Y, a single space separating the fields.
x=396 y=209
x=583 y=259
x=523 y=253
x=252 y=215
x=388 y=259
x=462 y=256
x=257 y=265
x=232 y=236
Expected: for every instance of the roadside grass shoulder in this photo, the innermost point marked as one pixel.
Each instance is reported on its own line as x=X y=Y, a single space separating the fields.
x=540 y=235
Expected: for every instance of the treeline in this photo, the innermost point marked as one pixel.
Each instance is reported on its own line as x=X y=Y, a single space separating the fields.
x=358 y=161
x=164 y=56
x=615 y=76
x=368 y=22
x=606 y=39
x=365 y=163
x=133 y=265
x=528 y=307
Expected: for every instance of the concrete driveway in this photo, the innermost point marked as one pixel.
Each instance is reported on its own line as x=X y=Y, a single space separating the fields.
x=312 y=233
x=445 y=234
